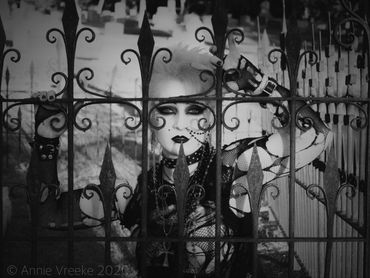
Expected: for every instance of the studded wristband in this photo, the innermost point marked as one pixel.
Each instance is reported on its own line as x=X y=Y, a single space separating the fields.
x=47 y=149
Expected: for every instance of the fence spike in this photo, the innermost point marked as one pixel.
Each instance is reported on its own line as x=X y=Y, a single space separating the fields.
x=145 y=44
x=293 y=47
x=181 y=177
x=219 y=24
x=70 y=22
x=331 y=182
x=107 y=175
x=255 y=179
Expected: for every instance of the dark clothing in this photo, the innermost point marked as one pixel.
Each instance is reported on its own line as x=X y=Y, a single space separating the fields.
x=200 y=220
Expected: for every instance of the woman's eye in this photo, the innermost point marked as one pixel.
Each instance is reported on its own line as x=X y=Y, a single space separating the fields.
x=195 y=110
x=166 y=110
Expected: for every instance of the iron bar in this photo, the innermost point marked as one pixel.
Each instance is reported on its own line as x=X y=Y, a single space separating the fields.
x=219 y=23
x=195 y=239
x=70 y=21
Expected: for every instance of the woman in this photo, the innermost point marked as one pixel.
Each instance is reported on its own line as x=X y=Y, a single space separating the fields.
x=183 y=132
x=182 y=129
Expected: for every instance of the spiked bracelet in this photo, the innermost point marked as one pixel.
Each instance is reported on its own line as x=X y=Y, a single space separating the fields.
x=47 y=148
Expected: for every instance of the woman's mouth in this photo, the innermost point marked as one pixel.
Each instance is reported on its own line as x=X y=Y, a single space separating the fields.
x=180 y=139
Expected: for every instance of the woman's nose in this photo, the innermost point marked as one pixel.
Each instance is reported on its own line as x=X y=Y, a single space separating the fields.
x=180 y=121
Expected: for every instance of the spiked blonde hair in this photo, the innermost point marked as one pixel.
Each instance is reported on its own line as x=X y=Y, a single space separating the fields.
x=190 y=66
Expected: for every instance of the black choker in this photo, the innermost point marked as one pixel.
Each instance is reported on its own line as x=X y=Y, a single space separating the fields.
x=190 y=159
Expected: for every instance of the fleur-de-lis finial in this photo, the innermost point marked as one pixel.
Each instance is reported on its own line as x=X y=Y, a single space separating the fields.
x=145 y=44
x=255 y=178
x=219 y=24
x=181 y=178
x=293 y=45
x=70 y=22
x=107 y=175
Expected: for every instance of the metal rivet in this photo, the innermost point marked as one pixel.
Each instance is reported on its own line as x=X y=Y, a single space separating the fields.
x=50 y=156
x=43 y=156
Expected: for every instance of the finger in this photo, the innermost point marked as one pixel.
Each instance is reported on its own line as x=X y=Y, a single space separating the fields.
x=216 y=61
x=213 y=49
x=232 y=46
x=233 y=85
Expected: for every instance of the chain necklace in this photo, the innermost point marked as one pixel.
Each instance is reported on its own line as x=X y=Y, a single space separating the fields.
x=162 y=191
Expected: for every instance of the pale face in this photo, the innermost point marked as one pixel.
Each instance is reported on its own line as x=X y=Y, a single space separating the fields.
x=181 y=121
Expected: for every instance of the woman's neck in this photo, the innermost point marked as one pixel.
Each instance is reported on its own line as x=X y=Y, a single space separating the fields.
x=167 y=173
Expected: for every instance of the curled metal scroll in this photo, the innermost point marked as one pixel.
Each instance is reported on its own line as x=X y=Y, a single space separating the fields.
x=88 y=38
x=165 y=59
x=54 y=120
x=87 y=123
x=88 y=77
x=127 y=60
x=354 y=18
x=304 y=123
x=51 y=38
x=15 y=57
x=125 y=195
x=359 y=122
x=56 y=82
x=313 y=57
x=284 y=114
x=94 y=189
x=196 y=192
x=274 y=59
x=157 y=118
x=7 y=120
x=165 y=190
x=350 y=194
x=201 y=37
x=239 y=38
x=312 y=195
x=233 y=119
x=274 y=194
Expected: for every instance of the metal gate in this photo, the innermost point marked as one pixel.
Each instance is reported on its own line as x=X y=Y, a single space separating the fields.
x=318 y=216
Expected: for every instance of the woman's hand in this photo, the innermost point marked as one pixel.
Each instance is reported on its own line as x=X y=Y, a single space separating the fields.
x=240 y=73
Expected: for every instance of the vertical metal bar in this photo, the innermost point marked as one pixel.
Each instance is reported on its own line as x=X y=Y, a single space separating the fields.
x=145 y=45
x=367 y=177
x=2 y=45
x=293 y=47
x=70 y=21
x=219 y=24
x=7 y=79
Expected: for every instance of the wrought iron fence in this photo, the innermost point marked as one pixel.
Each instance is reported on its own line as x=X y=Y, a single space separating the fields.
x=332 y=240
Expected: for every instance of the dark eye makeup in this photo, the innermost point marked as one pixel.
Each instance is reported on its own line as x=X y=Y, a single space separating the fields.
x=190 y=109
x=167 y=110
x=195 y=109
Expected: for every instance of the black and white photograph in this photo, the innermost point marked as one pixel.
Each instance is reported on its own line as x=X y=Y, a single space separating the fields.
x=185 y=138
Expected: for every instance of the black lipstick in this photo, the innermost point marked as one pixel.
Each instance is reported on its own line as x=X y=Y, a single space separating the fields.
x=180 y=139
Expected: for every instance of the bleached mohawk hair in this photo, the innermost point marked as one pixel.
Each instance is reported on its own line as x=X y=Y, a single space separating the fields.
x=188 y=65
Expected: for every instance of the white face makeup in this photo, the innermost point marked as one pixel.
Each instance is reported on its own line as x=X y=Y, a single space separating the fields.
x=181 y=121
